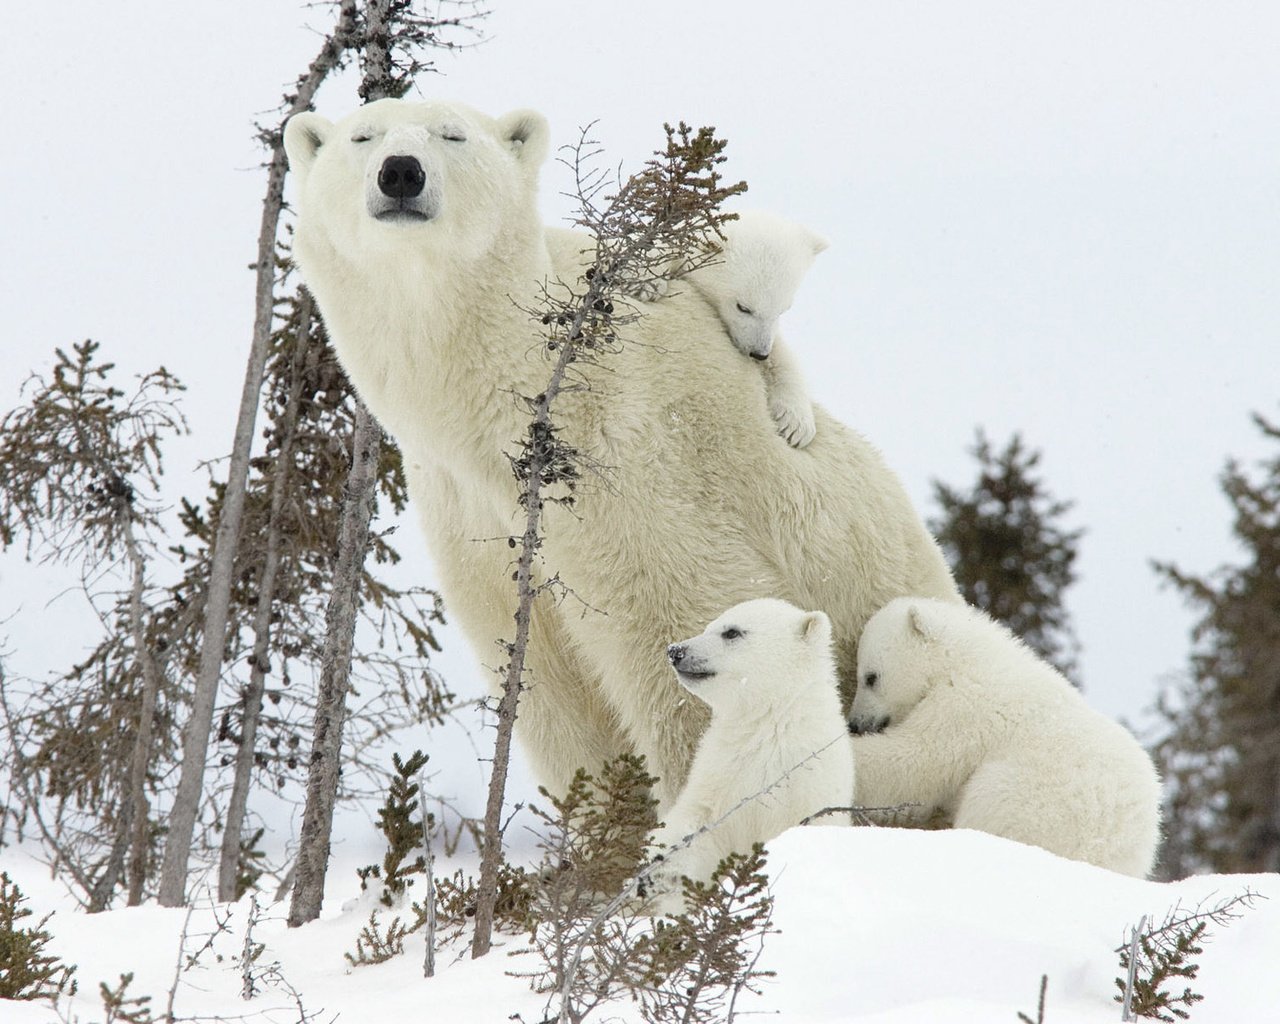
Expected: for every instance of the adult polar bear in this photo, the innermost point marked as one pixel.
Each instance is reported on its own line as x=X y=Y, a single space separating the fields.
x=418 y=232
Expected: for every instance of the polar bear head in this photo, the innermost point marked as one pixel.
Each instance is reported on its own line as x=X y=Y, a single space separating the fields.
x=755 y=652
x=902 y=653
x=753 y=281
x=397 y=178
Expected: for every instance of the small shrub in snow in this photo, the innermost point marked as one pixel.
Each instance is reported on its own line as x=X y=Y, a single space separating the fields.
x=376 y=944
x=121 y=1008
x=596 y=946
x=513 y=910
x=1155 y=957
x=403 y=831
x=27 y=971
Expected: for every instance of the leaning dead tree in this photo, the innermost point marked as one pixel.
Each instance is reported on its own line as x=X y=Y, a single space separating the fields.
x=229 y=863
x=392 y=40
x=195 y=744
x=655 y=221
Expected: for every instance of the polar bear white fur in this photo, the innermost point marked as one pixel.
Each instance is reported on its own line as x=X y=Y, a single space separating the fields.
x=419 y=235
x=976 y=725
x=751 y=279
x=777 y=749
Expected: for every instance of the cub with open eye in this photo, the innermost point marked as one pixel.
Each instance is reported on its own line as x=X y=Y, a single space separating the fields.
x=776 y=750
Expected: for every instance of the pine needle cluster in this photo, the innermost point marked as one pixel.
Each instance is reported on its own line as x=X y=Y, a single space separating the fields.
x=404 y=828
x=595 y=944
x=697 y=964
x=1007 y=547
x=376 y=943
x=119 y=1007
x=1218 y=739
x=512 y=910
x=1166 y=955
x=27 y=970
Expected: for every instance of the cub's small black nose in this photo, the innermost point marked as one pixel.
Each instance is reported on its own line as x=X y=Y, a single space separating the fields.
x=676 y=653
x=759 y=357
x=401 y=177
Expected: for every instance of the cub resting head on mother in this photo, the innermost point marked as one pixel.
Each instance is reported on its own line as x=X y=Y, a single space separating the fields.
x=419 y=234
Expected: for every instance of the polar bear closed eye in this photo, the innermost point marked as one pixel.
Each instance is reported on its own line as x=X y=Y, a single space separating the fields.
x=751 y=281
x=954 y=713
x=776 y=740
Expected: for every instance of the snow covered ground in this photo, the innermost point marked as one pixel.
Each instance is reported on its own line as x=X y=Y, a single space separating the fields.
x=878 y=926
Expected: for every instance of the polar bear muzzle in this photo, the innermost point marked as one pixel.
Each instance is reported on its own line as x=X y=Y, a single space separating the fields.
x=690 y=667
x=401 y=177
x=867 y=725
x=402 y=193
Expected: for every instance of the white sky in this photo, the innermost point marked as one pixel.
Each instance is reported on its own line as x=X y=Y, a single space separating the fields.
x=1057 y=218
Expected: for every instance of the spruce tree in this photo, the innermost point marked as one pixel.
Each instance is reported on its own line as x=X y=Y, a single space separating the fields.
x=1008 y=550
x=80 y=467
x=1220 y=748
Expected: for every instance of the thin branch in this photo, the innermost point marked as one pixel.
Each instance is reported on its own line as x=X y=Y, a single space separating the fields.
x=634 y=884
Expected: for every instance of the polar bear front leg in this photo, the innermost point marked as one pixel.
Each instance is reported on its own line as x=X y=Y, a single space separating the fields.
x=789 y=402
x=564 y=722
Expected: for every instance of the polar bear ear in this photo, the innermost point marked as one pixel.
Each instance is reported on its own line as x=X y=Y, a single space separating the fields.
x=528 y=135
x=303 y=136
x=817 y=242
x=815 y=628
x=919 y=624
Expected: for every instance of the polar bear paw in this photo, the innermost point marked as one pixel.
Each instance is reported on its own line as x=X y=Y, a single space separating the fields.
x=794 y=417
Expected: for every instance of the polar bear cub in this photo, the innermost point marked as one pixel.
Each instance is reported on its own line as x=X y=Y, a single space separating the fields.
x=767 y=672
x=751 y=281
x=953 y=712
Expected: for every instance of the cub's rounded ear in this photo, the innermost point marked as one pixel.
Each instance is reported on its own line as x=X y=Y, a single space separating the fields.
x=303 y=136
x=817 y=242
x=919 y=624
x=528 y=135
x=815 y=628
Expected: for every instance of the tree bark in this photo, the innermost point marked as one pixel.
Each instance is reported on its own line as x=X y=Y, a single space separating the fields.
x=152 y=677
x=195 y=745
x=130 y=845
x=335 y=672
x=513 y=681
x=229 y=862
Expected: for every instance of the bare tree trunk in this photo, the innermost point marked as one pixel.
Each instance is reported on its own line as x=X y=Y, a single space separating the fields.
x=195 y=744
x=130 y=845
x=335 y=672
x=429 y=956
x=229 y=864
x=512 y=683
x=152 y=677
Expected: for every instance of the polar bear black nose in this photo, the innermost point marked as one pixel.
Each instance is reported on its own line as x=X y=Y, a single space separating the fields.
x=401 y=177
x=676 y=653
